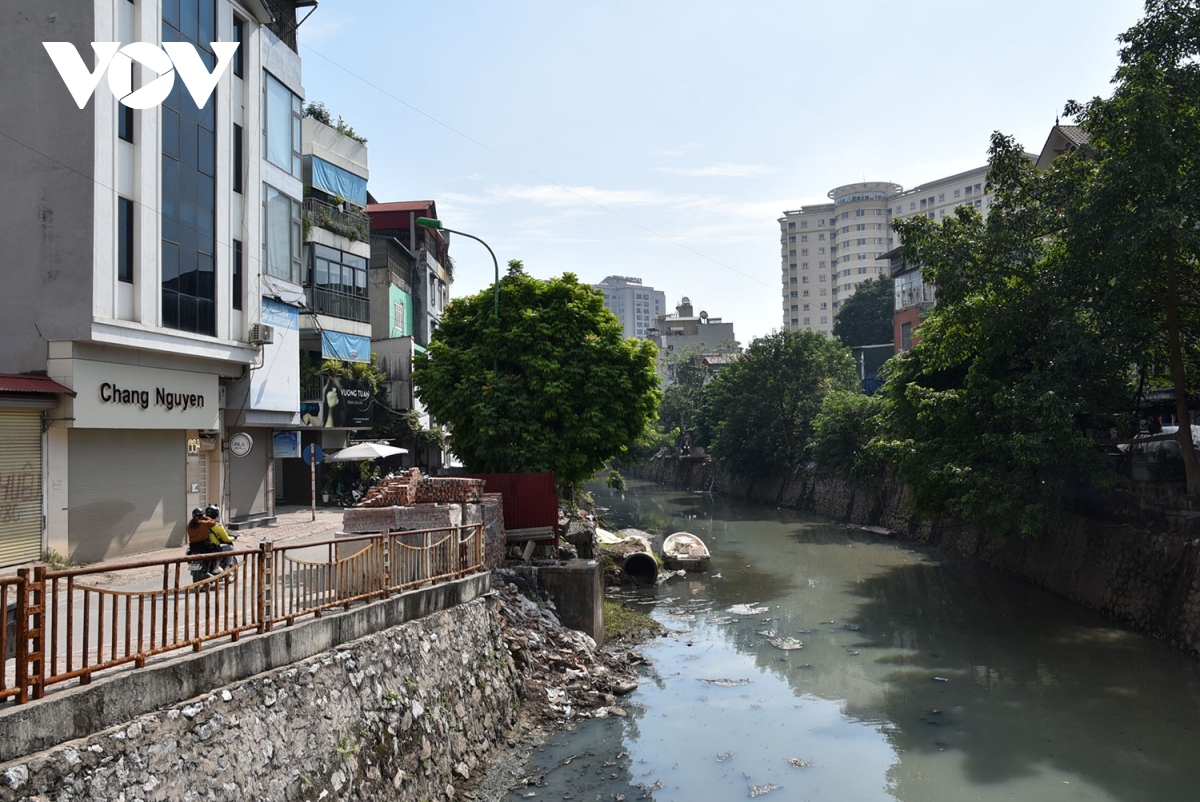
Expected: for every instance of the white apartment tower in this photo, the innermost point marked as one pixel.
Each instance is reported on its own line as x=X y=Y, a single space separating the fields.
x=829 y=249
x=634 y=304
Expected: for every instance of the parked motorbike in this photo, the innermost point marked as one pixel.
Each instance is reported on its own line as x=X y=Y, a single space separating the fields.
x=206 y=564
x=348 y=497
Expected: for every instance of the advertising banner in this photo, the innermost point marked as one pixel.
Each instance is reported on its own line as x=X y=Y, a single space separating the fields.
x=287 y=444
x=346 y=347
x=276 y=385
x=344 y=404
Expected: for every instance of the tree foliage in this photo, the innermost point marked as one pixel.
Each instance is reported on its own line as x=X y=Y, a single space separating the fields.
x=865 y=318
x=757 y=413
x=550 y=386
x=682 y=397
x=1137 y=222
x=843 y=431
x=988 y=416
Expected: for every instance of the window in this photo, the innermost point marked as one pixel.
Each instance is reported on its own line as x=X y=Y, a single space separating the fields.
x=941 y=197
x=235 y=279
x=792 y=280
x=906 y=336
x=794 y=321
x=978 y=187
x=791 y=224
x=792 y=294
x=922 y=203
x=803 y=224
x=793 y=238
x=821 y=237
x=125 y=240
x=957 y=193
x=281 y=125
x=822 y=277
x=821 y=222
x=862 y=270
x=189 y=169
x=239 y=36
x=281 y=235
x=912 y=205
x=967 y=189
x=860 y=212
x=806 y=321
x=862 y=242
x=237 y=158
x=805 y=293
x=125 y=113
x=824 y=305
x=793 y=265
x=824 y=318
x=803 y=252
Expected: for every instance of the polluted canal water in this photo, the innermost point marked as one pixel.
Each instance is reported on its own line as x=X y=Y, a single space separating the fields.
x=815 y=661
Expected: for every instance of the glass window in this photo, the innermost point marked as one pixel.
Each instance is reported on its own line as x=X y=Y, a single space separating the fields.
x=235 y=280
x=125 y=246
x=281 y=125
x=281 y=245
x=238 y=165
x=239 y=36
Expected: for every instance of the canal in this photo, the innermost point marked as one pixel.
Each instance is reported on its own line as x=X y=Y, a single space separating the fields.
x=918 y=678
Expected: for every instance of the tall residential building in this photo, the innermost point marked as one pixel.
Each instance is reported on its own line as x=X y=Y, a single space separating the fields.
x=147 y=249
x=634 y=304
x=829 y=249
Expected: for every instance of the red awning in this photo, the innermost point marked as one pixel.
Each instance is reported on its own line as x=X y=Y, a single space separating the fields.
x=31 y=383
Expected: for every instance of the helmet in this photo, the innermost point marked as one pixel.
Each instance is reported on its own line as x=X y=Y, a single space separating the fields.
x=197 y=513
x=212 y=511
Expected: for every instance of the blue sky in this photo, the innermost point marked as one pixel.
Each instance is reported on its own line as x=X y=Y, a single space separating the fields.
x=662 y=139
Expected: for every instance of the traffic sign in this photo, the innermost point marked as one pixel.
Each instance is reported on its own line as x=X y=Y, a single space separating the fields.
x=312 y=451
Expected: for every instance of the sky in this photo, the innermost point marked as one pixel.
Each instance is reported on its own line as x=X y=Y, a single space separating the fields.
x=663 y=139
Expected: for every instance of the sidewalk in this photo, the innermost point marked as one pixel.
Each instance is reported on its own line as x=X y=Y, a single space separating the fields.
x=292 y=524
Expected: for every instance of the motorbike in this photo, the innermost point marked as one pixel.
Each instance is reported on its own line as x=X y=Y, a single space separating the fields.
x=348 y=497
x=205 y=565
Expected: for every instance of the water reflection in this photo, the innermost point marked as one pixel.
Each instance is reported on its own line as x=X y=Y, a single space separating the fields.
x=917 y=679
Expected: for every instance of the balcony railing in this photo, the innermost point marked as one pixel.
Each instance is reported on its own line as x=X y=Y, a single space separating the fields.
x=72 y=624
x=348 y=221
x=324 y=301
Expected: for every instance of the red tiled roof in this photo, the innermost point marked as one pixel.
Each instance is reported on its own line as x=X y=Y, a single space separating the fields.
x=31 y=383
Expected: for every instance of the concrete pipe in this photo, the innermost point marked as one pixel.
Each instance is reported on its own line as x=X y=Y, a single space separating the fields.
x=641 y=566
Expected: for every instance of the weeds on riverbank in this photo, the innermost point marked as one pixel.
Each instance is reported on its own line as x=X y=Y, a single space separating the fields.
x=624 y=623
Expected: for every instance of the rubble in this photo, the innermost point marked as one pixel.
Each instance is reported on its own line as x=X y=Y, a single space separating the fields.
x=563 y=675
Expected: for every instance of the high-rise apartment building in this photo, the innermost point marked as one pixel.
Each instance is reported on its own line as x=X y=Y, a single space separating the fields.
x=829 y=249
x=634 y=304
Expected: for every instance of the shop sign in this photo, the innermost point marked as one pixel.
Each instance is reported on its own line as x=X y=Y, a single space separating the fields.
x=113 y=396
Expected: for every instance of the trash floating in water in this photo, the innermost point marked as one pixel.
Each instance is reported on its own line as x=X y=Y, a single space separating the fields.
x=722 y=757
x=747 y=609
x=766 y=633
x=940 y=679
x=759 y=790
x=851 y=627
x=726 y=683
x=797 y=763
x=786 y=643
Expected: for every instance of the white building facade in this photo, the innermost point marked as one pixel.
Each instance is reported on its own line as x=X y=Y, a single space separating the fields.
x=142 y=244
x=829 y=249
x=634 y=304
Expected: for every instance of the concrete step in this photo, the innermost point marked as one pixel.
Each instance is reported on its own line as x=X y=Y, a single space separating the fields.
x=251 y=523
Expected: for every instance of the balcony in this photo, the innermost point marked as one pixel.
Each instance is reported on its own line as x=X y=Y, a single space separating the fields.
x=325 y=301
x=348 y=221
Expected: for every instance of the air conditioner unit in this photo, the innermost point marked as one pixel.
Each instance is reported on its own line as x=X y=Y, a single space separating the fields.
x=262 y=334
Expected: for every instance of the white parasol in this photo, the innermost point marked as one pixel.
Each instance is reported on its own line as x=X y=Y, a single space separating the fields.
x=365 y=451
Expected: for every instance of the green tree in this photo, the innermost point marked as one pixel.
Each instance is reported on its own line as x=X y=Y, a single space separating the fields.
x=550 y=386
x=843 y=431
x=757 y=413
x=865 y=318
x=987 y=417
x=1138 y=222
x=682 y=397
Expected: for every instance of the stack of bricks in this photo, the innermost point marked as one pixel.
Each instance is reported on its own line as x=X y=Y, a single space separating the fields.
x=412 y=488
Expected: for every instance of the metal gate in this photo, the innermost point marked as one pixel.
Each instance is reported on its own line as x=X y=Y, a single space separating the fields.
x=20 y=486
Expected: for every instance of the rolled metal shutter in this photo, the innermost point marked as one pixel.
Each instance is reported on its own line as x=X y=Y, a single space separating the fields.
x=20 y=486
x=126 y=492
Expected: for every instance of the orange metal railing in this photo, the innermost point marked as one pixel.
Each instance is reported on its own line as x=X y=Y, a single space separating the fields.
x=64 y=625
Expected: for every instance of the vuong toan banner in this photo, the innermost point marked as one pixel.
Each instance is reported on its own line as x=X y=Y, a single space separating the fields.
x=344 y=404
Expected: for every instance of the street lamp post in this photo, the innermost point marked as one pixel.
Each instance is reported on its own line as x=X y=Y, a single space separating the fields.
x=429 y=222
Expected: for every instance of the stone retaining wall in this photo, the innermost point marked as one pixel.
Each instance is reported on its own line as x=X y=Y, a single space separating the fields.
x=397 y=715
x=1145 y=575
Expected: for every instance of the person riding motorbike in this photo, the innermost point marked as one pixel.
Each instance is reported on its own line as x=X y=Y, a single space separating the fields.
x=206 y=535
x=199 y=531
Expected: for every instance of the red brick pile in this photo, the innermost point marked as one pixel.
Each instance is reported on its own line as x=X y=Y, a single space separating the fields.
x=412 y=488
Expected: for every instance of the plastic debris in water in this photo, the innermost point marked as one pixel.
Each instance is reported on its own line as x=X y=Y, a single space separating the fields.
x=747 y=609
x=786 y=643
x=726 y=683
x=759 y=790
x=797 y=763
x=940 y=679
x=721 y=758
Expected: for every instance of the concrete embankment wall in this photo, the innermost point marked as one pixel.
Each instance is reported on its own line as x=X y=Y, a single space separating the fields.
x=1145 y=576
x=398 y=714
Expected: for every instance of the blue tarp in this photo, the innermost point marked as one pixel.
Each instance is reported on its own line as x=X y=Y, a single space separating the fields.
x=336 y=181
x=346 y=347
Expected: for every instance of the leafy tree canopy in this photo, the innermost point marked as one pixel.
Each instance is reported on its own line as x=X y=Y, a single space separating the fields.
x=865 y=318
x=757 y=413
x=550 y=386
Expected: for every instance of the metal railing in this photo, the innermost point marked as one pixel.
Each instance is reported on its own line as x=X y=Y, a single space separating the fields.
x=64 y=625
